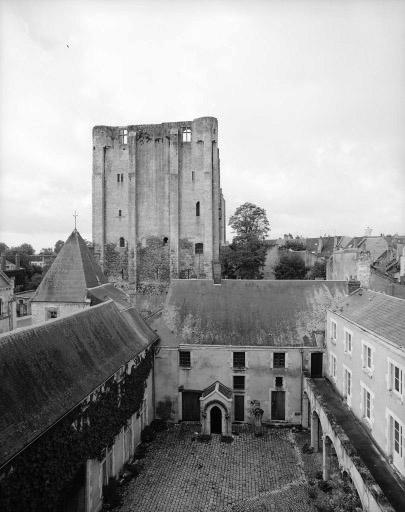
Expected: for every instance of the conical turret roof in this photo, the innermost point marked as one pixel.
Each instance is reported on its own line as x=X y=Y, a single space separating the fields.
x=71 y=274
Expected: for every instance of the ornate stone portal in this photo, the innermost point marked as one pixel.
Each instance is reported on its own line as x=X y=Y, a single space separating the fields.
x=216 y=407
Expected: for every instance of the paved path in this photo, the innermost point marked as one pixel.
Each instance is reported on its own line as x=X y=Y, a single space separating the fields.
x=384 y=475
x=251 y=474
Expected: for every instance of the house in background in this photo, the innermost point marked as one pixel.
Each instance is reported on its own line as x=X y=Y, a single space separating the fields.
x=63 y=290
x=365 y=341
x=7 y=304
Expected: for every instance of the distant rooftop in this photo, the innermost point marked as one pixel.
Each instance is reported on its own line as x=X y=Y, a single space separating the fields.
x=381 y=314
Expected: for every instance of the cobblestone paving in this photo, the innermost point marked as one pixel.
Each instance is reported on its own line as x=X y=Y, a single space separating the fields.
x=251 y=474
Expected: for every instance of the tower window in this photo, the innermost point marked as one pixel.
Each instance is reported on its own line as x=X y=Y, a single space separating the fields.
x=165 y=240
x=119 y=213
x=122 y=242
x=192 y=175
x=199 y=248
x=186 y=135
x=123 y=136
x=197 y=209
x=120 y=178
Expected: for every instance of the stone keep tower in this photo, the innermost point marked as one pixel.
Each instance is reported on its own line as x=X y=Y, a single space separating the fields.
x=157 y=198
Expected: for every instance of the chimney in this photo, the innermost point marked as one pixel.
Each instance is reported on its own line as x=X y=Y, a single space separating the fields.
x=352 y=286
x=17 y=260
x=3 y=261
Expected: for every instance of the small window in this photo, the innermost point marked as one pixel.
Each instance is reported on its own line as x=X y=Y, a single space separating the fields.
x=347 y=383
x=197 y=209
x=279 y=360
x=396 y=379
x=239 y=360
x=165 y=240
x=122 y=178
x=199 y=248
x=51 y=313
x=367 y=357
x=186 y=135
x=119 y=213
x=366 y=404
x=122 y=241
x=192 y=175
x=184 y=358
x=238 y=382
x=123 y=136
x=348 y=342
x=332 y=366
x=118 y=178
x=279 y=382
x=333 y=334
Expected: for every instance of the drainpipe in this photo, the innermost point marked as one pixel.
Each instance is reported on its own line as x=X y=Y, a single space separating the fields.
x=302 y=379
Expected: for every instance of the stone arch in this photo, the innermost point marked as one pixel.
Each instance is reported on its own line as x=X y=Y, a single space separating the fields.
x=316 y=431
x=225 y=416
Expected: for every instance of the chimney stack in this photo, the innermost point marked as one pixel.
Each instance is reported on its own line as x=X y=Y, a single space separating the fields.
x=17 y=260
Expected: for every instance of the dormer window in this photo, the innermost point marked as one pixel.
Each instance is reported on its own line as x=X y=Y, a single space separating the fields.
x=123 y=136
x=186 y=135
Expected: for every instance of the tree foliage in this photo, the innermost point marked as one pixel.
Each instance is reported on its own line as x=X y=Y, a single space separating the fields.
x=244 y=258
x=295 y=245
x=318 y=270
x=58 y=246
x=250 y=220
x=290 y=266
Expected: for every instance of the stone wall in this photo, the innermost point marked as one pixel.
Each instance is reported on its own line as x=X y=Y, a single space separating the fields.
x=157 y=184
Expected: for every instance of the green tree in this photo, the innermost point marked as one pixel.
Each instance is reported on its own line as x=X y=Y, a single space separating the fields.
x=58 y=246
x=3 y=247
x=290 y=266
x=245 y=256
x=250 y=220
x=48 y=251
x=318 y=270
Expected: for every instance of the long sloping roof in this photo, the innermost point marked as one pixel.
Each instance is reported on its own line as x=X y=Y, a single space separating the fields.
x=48 y=369
x=242 y=312
x=73 y=271
x=381 y=314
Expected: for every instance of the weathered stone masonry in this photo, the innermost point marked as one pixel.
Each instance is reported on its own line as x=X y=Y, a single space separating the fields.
x=159 y=186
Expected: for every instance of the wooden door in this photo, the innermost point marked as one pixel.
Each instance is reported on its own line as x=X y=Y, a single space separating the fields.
x=239 y=401
x=316 y=364
x=278 y=405
x=191 y=406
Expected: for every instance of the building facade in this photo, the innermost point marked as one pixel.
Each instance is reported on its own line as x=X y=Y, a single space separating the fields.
x=7 y=303
x=366 y=365
x=158 y=208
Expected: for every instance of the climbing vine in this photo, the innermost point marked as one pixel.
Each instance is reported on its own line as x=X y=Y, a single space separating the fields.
x=40 y=476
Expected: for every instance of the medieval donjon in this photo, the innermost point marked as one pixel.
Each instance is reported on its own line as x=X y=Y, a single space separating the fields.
x=158 y=208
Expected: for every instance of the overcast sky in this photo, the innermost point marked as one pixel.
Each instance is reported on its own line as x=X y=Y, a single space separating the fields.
x=310 y=98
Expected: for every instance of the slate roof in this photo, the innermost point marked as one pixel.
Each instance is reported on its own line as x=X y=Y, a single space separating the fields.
x=73 y=271
x=48 y=369
x=244 y=312
x=381 y=314
x=5 y=281
x=106 y=292
x=224 y=390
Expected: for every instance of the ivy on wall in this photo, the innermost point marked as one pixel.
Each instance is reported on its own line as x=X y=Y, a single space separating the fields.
x=41 y=474
x=115 y=261
x=153 y=261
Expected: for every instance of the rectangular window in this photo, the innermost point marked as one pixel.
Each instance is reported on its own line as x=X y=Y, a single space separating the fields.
x=239 y=360
x=199 y=248
x=118 y=178
x=333 y=366
x=279 y=360
x=333 y=329
x=123 y=136
x=348 y=342
x=238 y=382
x=366 y=404
x=279 y=382
x=186 y=135
x=367 y=357
x=239 y=401
x=396 y=378
x=397 y=437
x=347 y=383
x=184 y=358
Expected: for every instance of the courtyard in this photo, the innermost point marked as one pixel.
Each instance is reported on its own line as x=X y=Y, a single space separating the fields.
x=267 y=473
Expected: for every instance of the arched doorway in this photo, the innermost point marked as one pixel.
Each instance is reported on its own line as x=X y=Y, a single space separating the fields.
x=216 y=420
